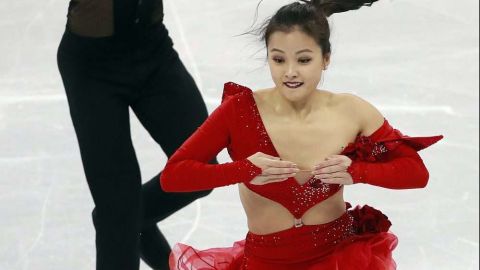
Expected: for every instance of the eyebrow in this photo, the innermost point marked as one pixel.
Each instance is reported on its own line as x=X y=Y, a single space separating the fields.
x=301 y=51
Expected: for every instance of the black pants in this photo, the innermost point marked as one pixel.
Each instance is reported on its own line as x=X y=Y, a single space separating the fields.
x=103 y=78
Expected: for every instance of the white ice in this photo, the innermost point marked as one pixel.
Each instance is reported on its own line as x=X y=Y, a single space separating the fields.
x=417 y=61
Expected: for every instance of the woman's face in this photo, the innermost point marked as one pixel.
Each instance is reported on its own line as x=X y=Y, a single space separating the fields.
x=296 y=63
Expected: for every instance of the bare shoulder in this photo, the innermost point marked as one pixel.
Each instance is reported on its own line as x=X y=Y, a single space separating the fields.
x=368 y=116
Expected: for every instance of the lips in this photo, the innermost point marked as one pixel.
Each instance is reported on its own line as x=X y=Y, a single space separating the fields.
x=293 y=84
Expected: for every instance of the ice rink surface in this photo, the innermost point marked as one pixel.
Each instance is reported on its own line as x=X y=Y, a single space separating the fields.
x=417 y=61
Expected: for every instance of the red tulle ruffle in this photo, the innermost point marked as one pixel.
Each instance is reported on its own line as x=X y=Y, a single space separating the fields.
x=186 y=257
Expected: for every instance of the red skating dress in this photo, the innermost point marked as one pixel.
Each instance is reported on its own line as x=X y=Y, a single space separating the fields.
x=358 y=240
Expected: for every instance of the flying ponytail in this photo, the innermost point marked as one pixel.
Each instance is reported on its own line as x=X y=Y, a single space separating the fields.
x=329 y=7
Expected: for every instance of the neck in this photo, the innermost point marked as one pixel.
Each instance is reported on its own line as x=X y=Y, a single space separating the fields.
x=299 y=109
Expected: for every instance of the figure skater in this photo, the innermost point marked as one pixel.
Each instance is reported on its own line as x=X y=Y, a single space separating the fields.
x=294 y=147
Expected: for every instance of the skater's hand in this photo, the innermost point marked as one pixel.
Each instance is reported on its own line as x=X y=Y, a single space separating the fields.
x=273 y=169
x=333 y=170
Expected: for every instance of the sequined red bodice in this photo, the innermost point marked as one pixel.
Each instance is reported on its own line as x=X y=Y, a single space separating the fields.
x=297 y=198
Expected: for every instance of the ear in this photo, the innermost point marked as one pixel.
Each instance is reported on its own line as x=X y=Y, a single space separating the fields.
x=326 y=61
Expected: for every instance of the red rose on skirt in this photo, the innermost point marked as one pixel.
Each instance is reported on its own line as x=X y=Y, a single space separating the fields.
x=369 y=220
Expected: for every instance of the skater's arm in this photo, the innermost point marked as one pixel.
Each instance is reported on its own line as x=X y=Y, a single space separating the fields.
x=387 y=158
x=405 y=170
x=188 y=169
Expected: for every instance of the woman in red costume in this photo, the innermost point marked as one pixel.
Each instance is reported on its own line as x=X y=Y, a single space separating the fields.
x=294 y=147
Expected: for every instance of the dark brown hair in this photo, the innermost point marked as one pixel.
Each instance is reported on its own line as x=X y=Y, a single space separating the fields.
x=310 y=16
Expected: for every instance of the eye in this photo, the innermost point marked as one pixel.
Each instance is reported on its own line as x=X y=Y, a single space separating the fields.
x=278 y=60
x=304 y=60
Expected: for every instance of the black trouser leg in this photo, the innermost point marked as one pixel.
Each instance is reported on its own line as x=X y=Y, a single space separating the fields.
x=172 y=94
x=100 y=114
x=154 y=248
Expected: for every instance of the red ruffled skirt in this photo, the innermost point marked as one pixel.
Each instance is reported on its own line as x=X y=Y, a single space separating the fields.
x=358 y=240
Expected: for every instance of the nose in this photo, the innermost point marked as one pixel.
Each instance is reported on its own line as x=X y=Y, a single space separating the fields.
x=291 y=72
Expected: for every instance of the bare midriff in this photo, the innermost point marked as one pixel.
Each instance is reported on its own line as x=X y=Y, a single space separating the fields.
x=266 y=216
